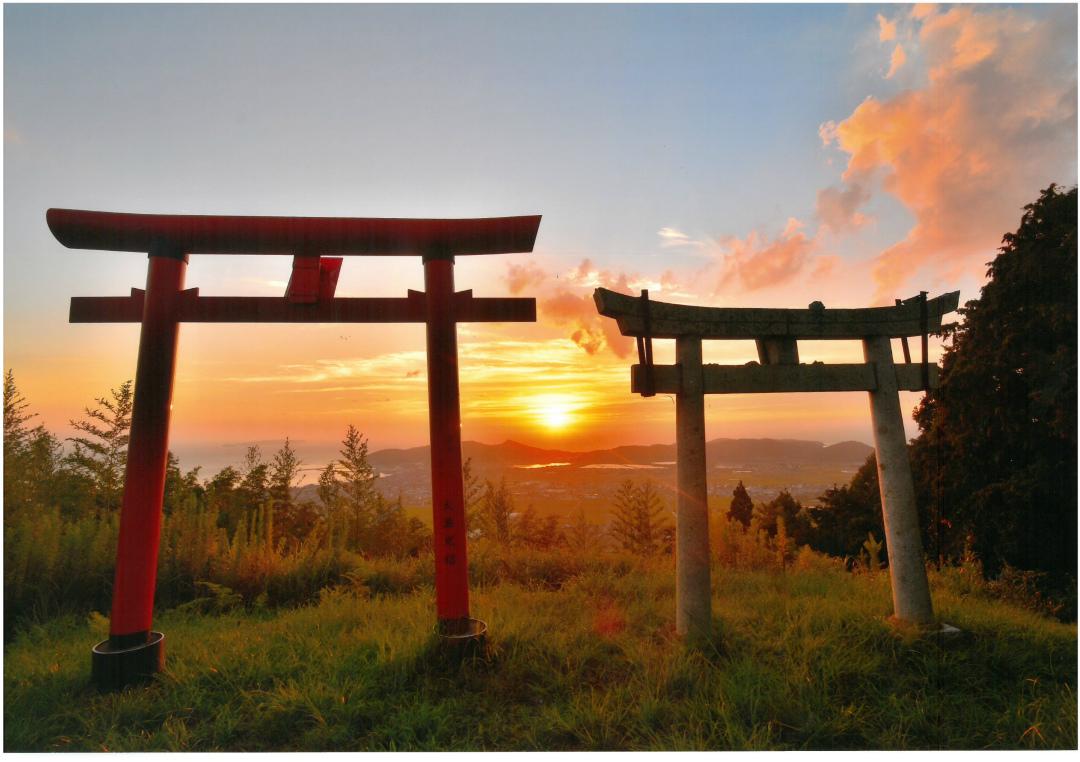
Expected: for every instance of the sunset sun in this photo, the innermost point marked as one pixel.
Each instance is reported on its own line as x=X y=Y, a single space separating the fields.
x=554 y=412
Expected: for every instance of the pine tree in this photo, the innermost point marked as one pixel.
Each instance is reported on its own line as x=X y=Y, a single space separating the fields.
x=100 y=454
x=473 y=493
x=357 y=484
x=329 y=488
x=996 y=457
x=294 y=521
x=181 y=489
x=283 y=476
x=742 y=507
x=638 y=524
x=494 y=513
x=253 y=487
x=223 y=499
x=16 y=433
x=31 y=455
x=582 y=534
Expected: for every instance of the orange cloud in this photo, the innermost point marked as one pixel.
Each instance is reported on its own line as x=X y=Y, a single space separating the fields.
x=756 y=262
x=838 y=208
x=995 y=123
x=886 y=29
x=897 y=60
x=922 y=10
x=589 y=330
x=521 y=277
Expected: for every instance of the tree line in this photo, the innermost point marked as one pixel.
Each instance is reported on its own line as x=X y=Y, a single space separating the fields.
x=995 y=461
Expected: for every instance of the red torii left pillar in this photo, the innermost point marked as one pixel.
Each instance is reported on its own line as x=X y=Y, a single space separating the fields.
x=134 y=652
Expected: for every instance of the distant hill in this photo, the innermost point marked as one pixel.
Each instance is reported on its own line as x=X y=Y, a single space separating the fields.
x=718 y=452
x=564 y=476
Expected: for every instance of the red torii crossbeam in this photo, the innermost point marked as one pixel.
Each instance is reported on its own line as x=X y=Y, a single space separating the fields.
x=133 y=651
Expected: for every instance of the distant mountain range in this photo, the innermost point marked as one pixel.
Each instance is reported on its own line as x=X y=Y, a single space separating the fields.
x=550 y=476
x=718 y=452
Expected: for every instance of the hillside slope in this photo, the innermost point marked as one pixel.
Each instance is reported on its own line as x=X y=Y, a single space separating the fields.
x=802 y=660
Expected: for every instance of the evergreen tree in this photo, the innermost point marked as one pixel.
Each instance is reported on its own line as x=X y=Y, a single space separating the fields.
x=786 y=508
x=31 y=456
x=181 y=489
x=473 y=492
x=283 y=476
x=844 y=515
x=742 y=507
x=997 y=453
x=16 y=432
x=329 y=488
x=253 y=489
x=100 y=453
x=582 y=534
x=638 y=524
x=494 y=513
x=224 y=500
x=357 y=483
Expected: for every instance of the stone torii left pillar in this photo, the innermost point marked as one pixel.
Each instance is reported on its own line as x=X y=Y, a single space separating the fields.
x=134 y=651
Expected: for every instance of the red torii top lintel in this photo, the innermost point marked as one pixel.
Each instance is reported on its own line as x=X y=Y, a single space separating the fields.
x=351 y=236
x=310 y=293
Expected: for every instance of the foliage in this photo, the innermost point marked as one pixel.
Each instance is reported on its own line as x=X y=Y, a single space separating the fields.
x=254 y=478
x=31 y=455
x=845 y=515
x=582 y=534
x=284 y=474
x=493 y=514
x=329 y=489
x=785 y=509
x=639 y=525
x=997 y=453
x=473 y=493
x=873 y=547
x=100 y=452
x=295 y=520
x=742 y=507
x=357 y=479
x=180 y=487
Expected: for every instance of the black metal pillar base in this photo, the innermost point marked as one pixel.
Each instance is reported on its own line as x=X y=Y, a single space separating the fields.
x=462 y=638
x=116 y=664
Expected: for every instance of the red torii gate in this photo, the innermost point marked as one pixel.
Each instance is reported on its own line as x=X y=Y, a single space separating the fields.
x=133 y=651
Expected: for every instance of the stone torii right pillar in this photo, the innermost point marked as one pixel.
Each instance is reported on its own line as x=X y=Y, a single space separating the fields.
x=776 y=332
x=907 y=572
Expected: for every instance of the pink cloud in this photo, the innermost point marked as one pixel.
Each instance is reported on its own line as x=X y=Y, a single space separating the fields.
x=995 y=122
x=886 y=29
x=521 y=277
x=838 y=208
x=757 y=262
x=897 y=60
x=588 y=329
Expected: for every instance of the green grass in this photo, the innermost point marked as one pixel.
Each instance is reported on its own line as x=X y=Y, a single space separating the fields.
x=804 y=660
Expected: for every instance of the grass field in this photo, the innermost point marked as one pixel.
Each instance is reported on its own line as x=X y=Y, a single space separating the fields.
x=799 y=660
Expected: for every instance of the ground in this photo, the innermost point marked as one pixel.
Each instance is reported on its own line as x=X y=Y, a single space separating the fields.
x=805 y=659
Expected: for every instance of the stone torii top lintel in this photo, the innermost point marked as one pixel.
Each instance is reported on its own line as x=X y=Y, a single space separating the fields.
x=669 y=321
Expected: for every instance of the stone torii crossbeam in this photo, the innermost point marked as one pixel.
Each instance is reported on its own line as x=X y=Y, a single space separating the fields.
x=134 y=651
x=777 y=332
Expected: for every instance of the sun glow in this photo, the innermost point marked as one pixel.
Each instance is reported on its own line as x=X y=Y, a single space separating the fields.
x=554 y=411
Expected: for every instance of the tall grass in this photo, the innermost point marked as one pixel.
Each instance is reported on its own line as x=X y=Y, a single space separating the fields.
x=583 y=656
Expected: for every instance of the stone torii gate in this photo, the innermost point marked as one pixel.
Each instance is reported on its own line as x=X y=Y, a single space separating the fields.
x=133 y=651
x=777 y=332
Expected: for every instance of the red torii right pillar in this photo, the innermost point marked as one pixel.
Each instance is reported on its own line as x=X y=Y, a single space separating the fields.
x=134 y=652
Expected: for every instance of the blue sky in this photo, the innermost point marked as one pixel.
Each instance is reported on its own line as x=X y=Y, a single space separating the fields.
x=614 y=122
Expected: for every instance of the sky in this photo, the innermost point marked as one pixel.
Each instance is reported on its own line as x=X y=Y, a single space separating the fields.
x=734 y=155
